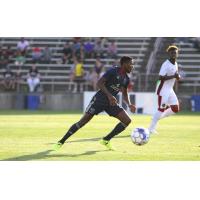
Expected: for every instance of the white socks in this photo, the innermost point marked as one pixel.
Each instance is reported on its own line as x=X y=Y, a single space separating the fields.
x=157 y=116
x=167 y=113
x=154 y=121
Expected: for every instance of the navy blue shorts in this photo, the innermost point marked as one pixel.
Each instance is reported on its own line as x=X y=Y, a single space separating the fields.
x=96 y=106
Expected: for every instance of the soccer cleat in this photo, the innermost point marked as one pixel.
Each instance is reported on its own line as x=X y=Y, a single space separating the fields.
x=153 y=132
x=106 y=144
x=57 y=146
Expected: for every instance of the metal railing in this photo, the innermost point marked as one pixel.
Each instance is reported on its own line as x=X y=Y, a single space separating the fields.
x=152 y=58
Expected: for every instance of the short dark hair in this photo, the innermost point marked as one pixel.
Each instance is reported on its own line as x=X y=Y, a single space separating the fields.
x=125 y=59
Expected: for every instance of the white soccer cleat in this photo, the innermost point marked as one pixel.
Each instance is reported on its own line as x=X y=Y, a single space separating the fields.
x=153 y=132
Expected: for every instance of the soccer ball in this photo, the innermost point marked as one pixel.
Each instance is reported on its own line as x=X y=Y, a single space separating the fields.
x=140 y=136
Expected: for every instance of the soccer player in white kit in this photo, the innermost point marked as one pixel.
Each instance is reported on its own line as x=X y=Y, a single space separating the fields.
x=167 y=101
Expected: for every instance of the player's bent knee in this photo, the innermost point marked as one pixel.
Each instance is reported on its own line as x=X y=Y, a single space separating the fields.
x=84 y=121
x=128 y=121
x=175 y=108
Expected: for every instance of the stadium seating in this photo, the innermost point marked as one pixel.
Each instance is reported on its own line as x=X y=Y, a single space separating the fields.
x=55 y=76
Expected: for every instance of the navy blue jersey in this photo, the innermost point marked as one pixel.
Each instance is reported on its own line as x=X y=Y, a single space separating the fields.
x=114 y=82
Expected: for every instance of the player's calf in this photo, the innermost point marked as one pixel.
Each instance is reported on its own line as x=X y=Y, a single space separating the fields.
x=118 y=129
x=125 y=120
x=75 y=127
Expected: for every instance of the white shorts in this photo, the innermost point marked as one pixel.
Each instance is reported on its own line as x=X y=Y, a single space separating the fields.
x=167 y=100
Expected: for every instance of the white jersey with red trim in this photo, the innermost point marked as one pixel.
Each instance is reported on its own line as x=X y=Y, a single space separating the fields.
x=169 y=69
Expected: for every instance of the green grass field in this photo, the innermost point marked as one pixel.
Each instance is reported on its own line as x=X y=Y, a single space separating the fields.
x=30 y=135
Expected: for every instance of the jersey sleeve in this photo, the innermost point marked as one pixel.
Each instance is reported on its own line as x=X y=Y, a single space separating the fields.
x=163 y=70
x=110 y=73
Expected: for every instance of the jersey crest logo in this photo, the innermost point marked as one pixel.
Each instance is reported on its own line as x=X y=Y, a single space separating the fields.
x=116 y=88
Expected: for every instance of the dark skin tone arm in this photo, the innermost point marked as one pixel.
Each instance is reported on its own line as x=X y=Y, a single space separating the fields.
x=127 y=100
x=101 y=86
x=165 y=78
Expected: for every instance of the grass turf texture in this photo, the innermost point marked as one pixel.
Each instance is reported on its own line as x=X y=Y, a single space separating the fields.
x=29 y=136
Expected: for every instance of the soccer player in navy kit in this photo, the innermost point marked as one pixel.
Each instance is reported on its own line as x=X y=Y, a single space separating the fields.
x=113 y=81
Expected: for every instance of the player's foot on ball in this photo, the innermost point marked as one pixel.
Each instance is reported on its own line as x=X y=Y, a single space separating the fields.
x=106 y=144
x=57 y=146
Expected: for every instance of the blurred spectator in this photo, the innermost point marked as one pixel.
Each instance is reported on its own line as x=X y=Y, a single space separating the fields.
x=71 y=73
x=23 y=46
x=3 y=58
x=88 y=76
x=94 y=80
x=98 y=66
x=77 y=39
x=8 y=79
x=99 y=49
x=8 y=53
x=104 y=42
x=67 y=53
x=97 y=70
x=76 y=48
x=36 y=54
x=20 y=59
x=46 y=55
x=78 y=74
x=112 y=50
x=80 y=53
x=78 y=68
x=89 y=49
x=33 y=79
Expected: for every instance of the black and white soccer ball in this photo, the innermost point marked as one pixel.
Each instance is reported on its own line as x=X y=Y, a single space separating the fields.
x=140 y=136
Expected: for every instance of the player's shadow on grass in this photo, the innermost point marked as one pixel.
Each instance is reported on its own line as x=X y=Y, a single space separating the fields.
x=38 y=155
x=91 y=139
x=45 y=154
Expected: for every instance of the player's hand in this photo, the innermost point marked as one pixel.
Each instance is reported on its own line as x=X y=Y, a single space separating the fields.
x=177 y=76
x=112 y=100
x=132 y=108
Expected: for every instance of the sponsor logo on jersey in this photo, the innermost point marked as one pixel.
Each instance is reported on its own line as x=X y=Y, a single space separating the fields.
x=115 y=87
